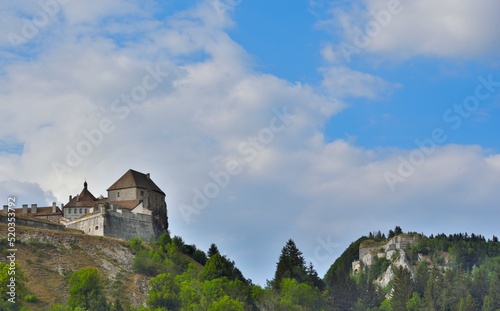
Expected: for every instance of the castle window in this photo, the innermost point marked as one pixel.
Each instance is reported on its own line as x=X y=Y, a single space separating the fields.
x=69 y=210
x=81 y=211
x=118 y=194
x=86 y=210
x=97 y=227
x=142 y=192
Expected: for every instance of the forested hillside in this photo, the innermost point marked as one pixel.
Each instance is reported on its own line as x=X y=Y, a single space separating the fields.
x=443 y=272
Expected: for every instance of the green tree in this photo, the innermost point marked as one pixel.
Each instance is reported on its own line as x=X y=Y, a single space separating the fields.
x=494 y=292
x=488 y=304
x=480 y=285
x=163 y=292
x=5 y=282
x=466 y=304
x=212 y=250
x=415 y=303
x=421 y=277
x=402 y=289
x=86 y=290
x=226 y=303
x=299 y=296
x=433 y=291
x=291 y=264
x=219 y=266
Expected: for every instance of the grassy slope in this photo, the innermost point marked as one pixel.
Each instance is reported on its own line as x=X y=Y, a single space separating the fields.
x=47 y=258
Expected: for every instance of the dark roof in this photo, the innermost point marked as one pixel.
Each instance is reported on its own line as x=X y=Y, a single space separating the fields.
x=135 y=179
x=84 y=199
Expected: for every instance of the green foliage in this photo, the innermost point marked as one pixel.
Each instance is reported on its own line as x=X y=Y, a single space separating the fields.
x=402 y=289
x=149 y=263
x=415 y=303
x=212 y=250
x=135 y=245
x=163 y=292
x=379 y=266
x=226 y=303
x=219 y=266
x=299 y=296
x=291 y=264
x=7 y=277
x=86 y=290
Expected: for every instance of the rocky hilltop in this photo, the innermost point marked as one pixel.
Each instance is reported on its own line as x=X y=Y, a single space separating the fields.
x=47 y=258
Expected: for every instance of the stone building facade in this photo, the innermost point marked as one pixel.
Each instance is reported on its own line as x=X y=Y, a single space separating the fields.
x=51 y=213
x=135 y=207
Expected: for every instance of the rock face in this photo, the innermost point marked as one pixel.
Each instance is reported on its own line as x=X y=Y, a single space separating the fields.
x=49 y=257
x=401 y=261
x=392 y=250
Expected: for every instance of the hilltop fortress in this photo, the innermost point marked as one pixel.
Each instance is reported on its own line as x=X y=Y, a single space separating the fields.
x=135 y=207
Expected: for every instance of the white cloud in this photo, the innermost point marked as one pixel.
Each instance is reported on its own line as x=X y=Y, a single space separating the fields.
x=344 y=82
x=444 y=28
x=298 y=186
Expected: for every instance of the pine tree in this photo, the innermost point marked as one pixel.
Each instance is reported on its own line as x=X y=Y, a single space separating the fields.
x=466 y=304
x=212 y=250
x=421 y=277
x=433 y=291
x=398 y=230
x=402 y=289
x=291 y=264
x=494 y=292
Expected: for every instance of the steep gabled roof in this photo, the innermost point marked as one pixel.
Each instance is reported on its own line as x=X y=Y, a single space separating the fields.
x=135 y=179
x=84 y=199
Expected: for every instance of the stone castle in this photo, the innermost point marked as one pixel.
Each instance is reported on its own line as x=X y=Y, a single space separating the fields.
x=369 y=250
x=135 y=207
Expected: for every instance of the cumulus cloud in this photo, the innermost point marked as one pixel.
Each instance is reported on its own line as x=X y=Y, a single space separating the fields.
x=403 y=29
x=207 y=102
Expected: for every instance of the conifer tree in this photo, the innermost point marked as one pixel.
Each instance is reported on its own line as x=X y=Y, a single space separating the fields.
x=402 y=289
x=212 y=250
x=466 y=304
x=291 y=264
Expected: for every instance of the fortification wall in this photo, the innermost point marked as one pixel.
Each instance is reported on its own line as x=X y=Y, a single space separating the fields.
x=90 y=224
x=35 y=223
x=126 y=225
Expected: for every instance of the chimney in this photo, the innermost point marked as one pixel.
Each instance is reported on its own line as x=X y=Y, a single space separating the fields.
x=25 y=209
x=5 y=210
x=33 y=209
x=70 y=197
x=77 y=198
x=148 y=176
x=54 y=207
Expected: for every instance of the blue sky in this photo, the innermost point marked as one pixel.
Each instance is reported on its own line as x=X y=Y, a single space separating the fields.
x=330 y=118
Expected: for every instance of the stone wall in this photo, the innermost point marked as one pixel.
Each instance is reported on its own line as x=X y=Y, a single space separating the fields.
x=35 y=223
x=122 y=194
x=92 y=224
x=123 y=224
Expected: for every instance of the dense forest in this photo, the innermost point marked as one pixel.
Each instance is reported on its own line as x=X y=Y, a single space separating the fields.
x=446 y=272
